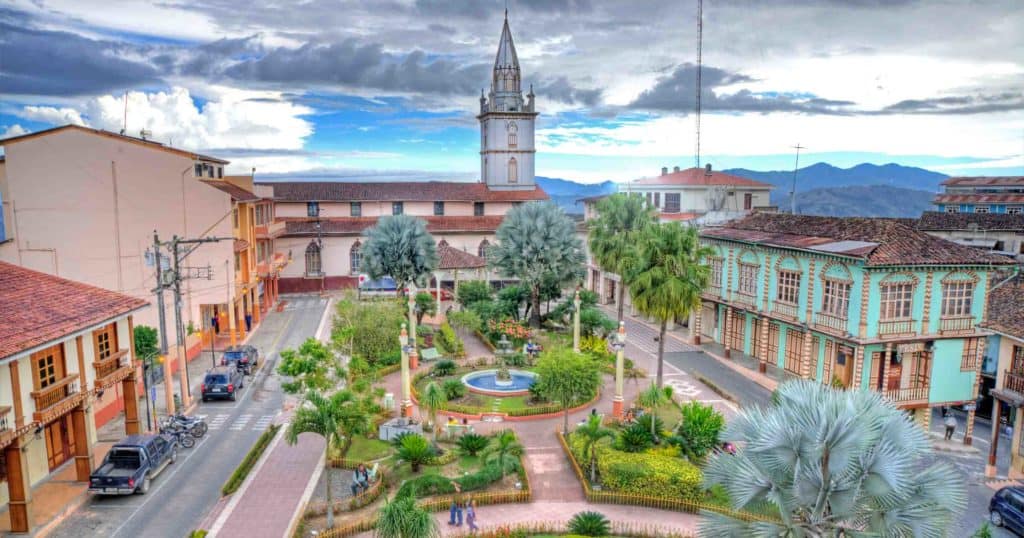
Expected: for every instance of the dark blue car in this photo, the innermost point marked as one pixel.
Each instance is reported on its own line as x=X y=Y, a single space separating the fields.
x=1006 y=509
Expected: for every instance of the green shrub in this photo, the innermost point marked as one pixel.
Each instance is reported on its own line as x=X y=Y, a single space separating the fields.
x=645 y=421
x=658 y=472
x=473 y=291
x=416 y=450
x=453 y=388
x=431 y=484
x=699 y=430
x=472 y=443
x=388 y=358
x=634 y=438
x=396 y=441
x=236 y=479
x=443 y=368
x=517 y=360
x=449 y=342
x=465 y=319
x=590 y=524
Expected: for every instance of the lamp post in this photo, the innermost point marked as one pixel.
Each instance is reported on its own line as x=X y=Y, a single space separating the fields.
x=576 y=322
x=619 y=345
x=413 y=357
x=403 y=339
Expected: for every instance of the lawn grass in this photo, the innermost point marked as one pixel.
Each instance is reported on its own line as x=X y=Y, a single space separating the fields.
x=363 y=449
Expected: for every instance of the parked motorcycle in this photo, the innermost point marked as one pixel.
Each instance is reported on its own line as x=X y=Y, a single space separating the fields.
x=185 y=439
x=196 y=425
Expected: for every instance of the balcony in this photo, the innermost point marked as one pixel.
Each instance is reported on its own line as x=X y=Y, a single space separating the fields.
x=896 y=327
x=57 y=399
x=6 y=426
x=908 y=396
x=954 y=325
x=713 y=292
x=1013 y=381
x=831 y=323
x=112 y=369
x=744 y=298
x=785 y=309
x=270 y=230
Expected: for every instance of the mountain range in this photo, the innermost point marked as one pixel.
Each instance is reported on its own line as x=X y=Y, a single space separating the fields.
x=867 y=190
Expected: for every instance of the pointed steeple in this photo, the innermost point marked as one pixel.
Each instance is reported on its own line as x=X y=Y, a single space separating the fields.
x=506 y=93
x=506 y=57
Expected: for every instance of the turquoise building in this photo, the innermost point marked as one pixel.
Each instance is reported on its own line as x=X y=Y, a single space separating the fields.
x=872 y=304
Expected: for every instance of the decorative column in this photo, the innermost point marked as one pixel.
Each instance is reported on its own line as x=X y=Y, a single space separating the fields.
x=131 y=405
x=858 y=367
x=256 y=302
x=83 y=449
x=413 y=357
x=865 y=293
x=403 y=340
x=887 y=363
x=990 y=468
x=240 y=316
x=437 y=279
x=762 y=365
x=620 y=351
x=576 y=322
x=725 y=331
x=926 y=314
x=969 y=431
x=18 y=488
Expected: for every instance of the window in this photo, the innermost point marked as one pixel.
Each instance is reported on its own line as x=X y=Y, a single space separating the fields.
x=657 y=199
x=261 y=212
x=397 y=208
x=788 y=287
x=312 y=209
x=220 y=172
x=199 y=170
x=238 y=262
x=209 y=169
x=794 y=350
x=355 y=209
x=836 y=298
x=952 y=209
x=261 y=251
x=234 y=217
x=1014 y=210
x=649 y=198
x=671 y=202
x=716 y=272
x=897 y=300
x=105 y=341
x=355 y=257
x=482 y=249
x=971 y=356
x=513 y=137
x=957 y=297
x=438 y=208
x=313 y=259
x=748 y=201
x=48 y=366
x=748 y=279
x=513 y=171
x=1017 y=359
x=981 y=209
x=478 y=209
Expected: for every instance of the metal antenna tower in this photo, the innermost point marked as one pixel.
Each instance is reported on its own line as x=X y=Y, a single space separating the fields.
x=792 y=191
x=700 y=48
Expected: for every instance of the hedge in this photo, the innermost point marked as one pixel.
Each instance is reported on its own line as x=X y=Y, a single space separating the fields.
x=236 y=479
x=659 y=472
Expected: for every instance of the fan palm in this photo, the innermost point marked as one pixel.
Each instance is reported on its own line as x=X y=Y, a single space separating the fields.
x=399 y=246
x=833 y=463
x=592 y=432
x=402 y=518
x=652 y=398
x=504 y=451
x=433 y=400
x=669 y=276
x=613 y=236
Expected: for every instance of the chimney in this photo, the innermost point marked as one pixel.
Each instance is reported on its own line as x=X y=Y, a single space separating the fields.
x=664 y=170
x=675 y=168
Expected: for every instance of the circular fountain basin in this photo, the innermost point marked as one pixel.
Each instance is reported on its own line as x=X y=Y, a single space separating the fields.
x=487 y=382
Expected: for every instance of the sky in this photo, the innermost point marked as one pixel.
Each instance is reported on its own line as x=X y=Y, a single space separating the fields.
x=388 y=89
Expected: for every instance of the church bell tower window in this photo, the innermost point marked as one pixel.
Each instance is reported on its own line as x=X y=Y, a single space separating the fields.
x=513 y=171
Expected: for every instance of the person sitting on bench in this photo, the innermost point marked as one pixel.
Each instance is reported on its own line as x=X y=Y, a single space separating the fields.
x=360 y=480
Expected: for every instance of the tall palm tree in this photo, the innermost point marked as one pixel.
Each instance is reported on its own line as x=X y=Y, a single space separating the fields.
x=433 y=400
x=335 y=418
x=613 y=235
x=504 y=450
x=592 y=432
x=399 y=246
x=653 y=398
x=669 y=277
x=833 y=463
x=402 y=518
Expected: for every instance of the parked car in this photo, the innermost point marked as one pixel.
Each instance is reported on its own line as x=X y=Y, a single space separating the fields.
x=131 y=464
x=244 y=357
x=222 y=382
x=1006 y=509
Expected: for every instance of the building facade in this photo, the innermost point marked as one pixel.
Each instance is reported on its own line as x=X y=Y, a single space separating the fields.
x=1003 y=194
x=998 y=233
x=1006 y=321
x=67 y=357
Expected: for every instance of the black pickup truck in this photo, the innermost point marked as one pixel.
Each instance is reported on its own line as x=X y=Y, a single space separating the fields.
x=131 y=464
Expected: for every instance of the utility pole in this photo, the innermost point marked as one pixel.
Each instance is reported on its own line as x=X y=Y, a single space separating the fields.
x=159 y=290
x=792 y=192
x=700 y=50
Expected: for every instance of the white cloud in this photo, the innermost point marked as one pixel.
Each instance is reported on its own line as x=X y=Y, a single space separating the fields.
x=54 y=115
x=13 y=130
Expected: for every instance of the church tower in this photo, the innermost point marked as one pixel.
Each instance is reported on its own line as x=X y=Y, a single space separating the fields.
x=506 y=124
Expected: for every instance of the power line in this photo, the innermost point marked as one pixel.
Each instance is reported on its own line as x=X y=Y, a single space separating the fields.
x=796 y=166
x=700 y=48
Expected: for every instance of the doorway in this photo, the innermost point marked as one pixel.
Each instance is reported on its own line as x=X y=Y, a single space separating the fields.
x=844 y=365
x=60 y=441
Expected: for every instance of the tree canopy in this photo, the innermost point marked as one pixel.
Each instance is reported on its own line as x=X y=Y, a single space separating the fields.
x=311 y=367
x=537 y=244
x=399 y=246
x=567 y=377
x=614 y=234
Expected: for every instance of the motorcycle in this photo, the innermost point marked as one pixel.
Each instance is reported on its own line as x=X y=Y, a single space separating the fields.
x=185 y=438
x=196 y=425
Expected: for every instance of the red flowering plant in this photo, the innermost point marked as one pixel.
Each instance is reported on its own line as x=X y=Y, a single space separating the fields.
x=513 y=330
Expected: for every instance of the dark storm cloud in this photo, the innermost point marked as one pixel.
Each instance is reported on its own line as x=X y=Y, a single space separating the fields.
x=560 y=89
x=42 y=62
x=676 y=92
x=959 y=105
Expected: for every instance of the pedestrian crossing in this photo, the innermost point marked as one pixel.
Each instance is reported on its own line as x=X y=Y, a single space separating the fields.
x=242 y=422
x=302 y=302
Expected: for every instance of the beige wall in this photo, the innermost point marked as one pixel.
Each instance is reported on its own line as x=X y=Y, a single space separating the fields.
x=378 y=209
x=1005 y=356
x=69 y=225
x=695 y=199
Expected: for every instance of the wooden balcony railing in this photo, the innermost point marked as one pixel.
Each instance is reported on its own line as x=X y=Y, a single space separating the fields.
x=828 y=321
x=744 y=298
x=713 y=291
x=895 y=327
x=908 y=395
x=112 y=369
x=6 y=418
x=957 y=324
x=1013 y=381
x=785 y=309
x=56 y=399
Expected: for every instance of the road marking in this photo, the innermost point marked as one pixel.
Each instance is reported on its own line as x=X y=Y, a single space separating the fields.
x=218 y=421
x=240 y=422
x=262 y=422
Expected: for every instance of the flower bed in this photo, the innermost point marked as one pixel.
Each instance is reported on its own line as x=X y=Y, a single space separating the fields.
x=555 y=528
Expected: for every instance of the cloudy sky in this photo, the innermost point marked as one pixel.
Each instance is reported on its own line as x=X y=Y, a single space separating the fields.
x=390 y=87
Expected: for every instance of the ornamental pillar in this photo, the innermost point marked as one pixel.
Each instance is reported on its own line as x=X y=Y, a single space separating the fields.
x=19 y=490
x=726 y=323
x=403 y=340
x=620 y=352
x=576 y=322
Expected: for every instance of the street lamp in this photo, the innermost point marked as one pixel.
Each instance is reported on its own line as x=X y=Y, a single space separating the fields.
x=576 y=321
x=619 y=345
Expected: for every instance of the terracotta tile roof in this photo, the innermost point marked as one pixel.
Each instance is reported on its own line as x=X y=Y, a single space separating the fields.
x=984 y=181
x=940 y=221
x=666 y=217
x=879 y=242
x=1005 y=313
x=698 y=177
x=988 y=197
x=237 y=193
x=131 y=139
x=418 y=191
x=37 y=308
x=453 y=258
x=356 y=225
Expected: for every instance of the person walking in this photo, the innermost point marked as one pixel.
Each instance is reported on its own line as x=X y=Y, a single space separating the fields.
x=471 y=515
x=950 y=423
x=455 y=510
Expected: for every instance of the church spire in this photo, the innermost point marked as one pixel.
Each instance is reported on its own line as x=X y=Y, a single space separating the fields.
x=506 y=82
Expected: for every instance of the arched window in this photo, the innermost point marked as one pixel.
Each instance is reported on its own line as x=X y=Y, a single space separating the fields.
x=313 y=267
x=513 y=134
x=513 y=171
x=355 y=257
x=482 y=249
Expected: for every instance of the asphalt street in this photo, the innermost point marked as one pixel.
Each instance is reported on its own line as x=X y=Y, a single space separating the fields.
x=182 y=495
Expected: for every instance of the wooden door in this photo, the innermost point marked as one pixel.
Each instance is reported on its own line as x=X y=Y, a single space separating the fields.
x=844 y=365
x=895 y=372
x=60 y=441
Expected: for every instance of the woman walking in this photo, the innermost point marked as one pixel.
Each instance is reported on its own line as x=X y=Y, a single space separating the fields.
x=471 y=515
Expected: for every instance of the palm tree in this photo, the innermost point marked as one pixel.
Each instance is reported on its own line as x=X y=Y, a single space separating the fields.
x=592 y=432
x=415 y=449
x=399 y=246
x=537 y=244
x=504 y=450
x=613 y=235
x=335 y=418
x=669 y=277
x=833 y=463
x=402 y=518
x=433 y=399
x=653 y=398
